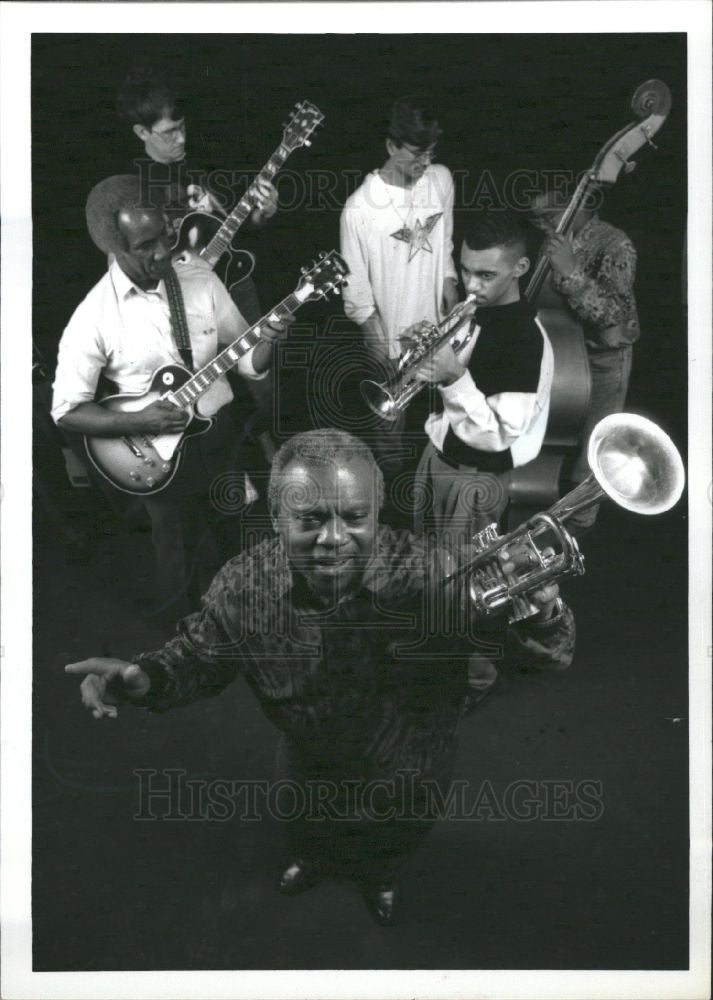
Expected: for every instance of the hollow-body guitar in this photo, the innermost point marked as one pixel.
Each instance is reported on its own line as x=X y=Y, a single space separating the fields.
x=204 y=235
x=144 y=464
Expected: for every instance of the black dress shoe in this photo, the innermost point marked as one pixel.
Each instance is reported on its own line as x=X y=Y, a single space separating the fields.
x=382 y=901
x=297 y=876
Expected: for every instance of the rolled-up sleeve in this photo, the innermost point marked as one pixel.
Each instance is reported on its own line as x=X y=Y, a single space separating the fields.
x=230 y=325
x=82 y=356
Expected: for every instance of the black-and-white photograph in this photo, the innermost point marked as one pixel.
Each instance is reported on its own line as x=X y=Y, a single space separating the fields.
x=361 y=451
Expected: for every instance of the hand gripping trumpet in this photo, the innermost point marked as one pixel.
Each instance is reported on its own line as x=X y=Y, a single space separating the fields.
x=388 y=399
x=632 y=461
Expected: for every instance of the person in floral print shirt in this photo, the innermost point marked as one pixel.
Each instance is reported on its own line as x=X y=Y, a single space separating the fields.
x=331 y=623
x=593 y=269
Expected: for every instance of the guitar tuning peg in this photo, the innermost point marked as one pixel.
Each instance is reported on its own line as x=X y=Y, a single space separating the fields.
x=303 y=270
x=307 y=142
x=321 y=255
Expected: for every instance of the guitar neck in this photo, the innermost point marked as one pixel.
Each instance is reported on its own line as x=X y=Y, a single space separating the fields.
x=214 y=250
x=190 y=391
x=543 y=266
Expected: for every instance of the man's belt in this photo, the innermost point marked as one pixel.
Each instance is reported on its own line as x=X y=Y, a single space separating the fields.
x=475 y=460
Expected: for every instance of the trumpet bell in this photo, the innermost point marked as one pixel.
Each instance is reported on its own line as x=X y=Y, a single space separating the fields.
x=636 y=463
x=379 y=400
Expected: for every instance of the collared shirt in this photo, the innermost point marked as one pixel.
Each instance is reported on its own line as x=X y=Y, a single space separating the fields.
x=125 y=333
x=495 y=415
x=398 y=243
x=362 y=680
x=600 y=289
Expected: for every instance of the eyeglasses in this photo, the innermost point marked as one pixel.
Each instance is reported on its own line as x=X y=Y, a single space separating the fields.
x=171 y=134
x=420 y=154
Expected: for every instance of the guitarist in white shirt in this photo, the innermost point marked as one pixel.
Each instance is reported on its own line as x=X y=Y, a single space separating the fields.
x=122 y=330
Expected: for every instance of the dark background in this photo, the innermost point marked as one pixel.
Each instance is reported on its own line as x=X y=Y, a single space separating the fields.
x=111 y=893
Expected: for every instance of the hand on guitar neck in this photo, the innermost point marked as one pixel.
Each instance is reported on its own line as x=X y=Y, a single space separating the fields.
x=266 y=202
x=265 y=194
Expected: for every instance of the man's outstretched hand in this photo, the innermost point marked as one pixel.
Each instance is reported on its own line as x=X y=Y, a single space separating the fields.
x=108 y=682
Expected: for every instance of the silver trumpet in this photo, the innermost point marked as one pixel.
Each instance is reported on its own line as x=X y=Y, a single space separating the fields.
x=632 y=461
x=388 y=399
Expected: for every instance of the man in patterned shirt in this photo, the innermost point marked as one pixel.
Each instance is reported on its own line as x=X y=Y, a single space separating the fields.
x=329 y=623
x=593 y=269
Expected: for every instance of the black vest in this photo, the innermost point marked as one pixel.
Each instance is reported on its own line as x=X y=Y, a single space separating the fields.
x=507 y=357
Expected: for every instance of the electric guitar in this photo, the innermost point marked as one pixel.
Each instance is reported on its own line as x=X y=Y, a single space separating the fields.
x=209 y=238
x=144 y=464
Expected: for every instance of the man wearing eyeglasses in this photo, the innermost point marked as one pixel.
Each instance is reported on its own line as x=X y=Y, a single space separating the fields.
x=397 y=238
x=156 y=116
x=397 y=235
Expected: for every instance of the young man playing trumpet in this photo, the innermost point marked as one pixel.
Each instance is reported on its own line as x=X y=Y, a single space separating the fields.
x=494 y=394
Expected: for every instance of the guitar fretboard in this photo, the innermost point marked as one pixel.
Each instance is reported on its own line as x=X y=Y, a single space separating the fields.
x=229 y=357
x=214 y=250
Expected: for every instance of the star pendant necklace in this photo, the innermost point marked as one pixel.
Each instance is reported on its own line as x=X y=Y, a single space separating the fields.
x=417 y=237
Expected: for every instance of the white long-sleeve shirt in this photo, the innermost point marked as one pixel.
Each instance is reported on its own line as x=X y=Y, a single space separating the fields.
x=501 y=402
x=125 y=333
x=398 y=243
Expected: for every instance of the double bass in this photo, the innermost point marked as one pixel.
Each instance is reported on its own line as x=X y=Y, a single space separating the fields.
x=538 y=483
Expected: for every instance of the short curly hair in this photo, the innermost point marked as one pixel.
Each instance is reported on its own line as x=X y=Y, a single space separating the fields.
x=413 y=121
x=495 y=228
x=106 y=200
x=145 y=96
x=320 y=447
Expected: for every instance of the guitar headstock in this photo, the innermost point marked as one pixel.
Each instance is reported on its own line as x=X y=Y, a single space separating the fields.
x=300 y=125
x=327 y=274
